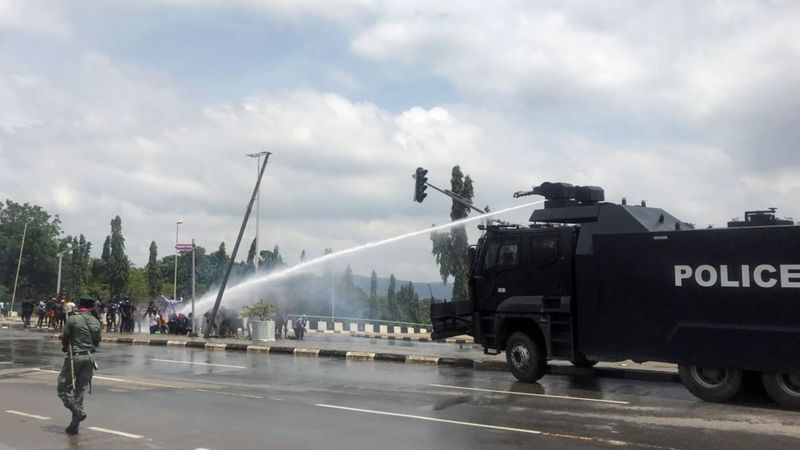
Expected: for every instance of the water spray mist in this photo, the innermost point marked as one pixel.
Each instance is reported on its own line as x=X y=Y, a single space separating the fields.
x=207 y=300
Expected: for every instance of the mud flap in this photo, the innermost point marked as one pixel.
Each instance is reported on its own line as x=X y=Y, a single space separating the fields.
x=451 y=319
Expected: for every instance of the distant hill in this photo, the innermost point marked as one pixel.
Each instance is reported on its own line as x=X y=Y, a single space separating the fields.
x=440 y=290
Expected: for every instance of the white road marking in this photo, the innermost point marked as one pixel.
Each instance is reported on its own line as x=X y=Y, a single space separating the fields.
x=561 y=397
x=167 y=386
x=120 y=380
x=430 y=419
x=118 y=433
x=572 y=437
x=197 y=363
x=99 y=377
x=32 y=416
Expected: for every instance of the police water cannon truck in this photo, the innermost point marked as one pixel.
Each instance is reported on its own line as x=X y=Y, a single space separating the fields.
x=593 y=281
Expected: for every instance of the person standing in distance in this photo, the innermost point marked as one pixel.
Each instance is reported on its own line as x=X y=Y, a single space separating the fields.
x=79 y=340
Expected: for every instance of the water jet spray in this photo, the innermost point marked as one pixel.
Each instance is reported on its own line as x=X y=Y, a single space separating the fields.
x=289 y=271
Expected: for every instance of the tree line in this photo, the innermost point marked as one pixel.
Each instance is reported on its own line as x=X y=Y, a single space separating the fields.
x=113 y=275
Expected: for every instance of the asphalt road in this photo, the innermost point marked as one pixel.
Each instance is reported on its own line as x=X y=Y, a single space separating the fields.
x=177 y=398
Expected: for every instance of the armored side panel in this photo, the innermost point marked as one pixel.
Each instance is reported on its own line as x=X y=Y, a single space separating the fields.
x=716 y=298
x=609 y=218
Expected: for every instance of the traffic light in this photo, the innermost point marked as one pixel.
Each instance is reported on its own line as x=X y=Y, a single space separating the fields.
x=420 y=184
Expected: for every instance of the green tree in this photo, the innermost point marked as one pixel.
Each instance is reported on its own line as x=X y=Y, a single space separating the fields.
x=153 y=273
x=373 y=305
x=38 y=265
x=185 y=272
x=138 y=286
x=347 y=278
x=79 y=268
x=251 y=257
x=118 y=264
x=271 y=260
x=408 y=304
x=212 y=268
x=391 y=300
x=101 y=267
x=451 y=249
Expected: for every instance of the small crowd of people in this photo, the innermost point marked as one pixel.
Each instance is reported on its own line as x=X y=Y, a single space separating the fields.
x=283 y=322
x=118 y=314
x=168 y=320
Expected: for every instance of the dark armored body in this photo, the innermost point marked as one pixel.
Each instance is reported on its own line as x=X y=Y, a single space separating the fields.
x=595 y=281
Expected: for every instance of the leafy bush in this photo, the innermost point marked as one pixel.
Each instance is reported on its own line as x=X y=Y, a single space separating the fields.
x=260 y=311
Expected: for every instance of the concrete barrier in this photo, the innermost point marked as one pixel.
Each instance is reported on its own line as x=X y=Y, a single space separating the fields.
x=306 y=352
x=360 y=356
x=424 y=359
x=258 y=348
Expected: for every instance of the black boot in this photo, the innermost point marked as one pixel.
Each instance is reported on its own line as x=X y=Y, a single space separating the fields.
x=78 y=416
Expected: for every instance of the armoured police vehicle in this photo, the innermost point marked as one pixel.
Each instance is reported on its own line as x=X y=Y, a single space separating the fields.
x=595 y=281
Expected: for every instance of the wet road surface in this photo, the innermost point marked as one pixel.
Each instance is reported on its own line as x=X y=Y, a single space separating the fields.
x=178 y=398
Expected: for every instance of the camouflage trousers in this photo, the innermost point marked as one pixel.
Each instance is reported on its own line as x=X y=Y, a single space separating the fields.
x=84 y=366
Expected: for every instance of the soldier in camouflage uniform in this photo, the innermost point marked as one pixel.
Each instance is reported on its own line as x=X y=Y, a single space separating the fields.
x=80 y=338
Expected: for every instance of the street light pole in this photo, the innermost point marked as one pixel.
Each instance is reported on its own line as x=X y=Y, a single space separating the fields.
x=175 y=278
x=19 y=262
x=258 y=202
x=60 y=257
x=194 y=317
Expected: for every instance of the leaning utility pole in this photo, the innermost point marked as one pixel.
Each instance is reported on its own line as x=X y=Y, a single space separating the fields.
x=212 y=319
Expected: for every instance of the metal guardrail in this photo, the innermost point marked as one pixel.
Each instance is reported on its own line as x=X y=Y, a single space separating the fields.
x=361 y=324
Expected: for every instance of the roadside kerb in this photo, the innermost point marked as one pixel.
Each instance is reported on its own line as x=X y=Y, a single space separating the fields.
x=425 y=338
x=314 y=352
x=555 y=369
x=360 y=356
x=236 y=347
x=422 y=359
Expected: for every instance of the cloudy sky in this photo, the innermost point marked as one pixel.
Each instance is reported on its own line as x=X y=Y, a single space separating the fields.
x=146 y=108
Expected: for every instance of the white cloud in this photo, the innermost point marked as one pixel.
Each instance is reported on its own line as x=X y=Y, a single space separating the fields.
x=689 y=106
x=32 y=17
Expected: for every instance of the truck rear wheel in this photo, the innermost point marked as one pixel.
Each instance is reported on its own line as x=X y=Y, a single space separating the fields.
x=784 y=388
x=525 y=358
x=711 y=384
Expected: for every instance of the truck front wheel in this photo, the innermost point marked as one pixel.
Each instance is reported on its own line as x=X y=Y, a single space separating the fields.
x=784 y=388
x=525 y=358
x=711 y=384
